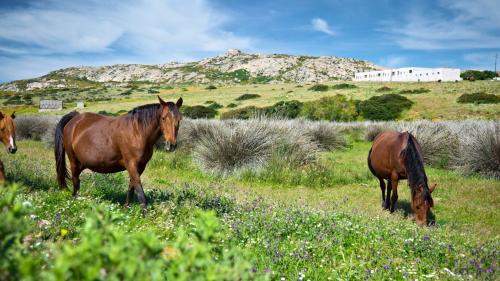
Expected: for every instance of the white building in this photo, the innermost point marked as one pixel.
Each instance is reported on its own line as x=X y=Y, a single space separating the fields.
x=410 y=74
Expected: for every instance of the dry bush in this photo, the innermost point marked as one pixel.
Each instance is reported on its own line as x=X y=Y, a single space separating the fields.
x=36 y=127
x=223 y=148
x=326 y=134
x=479 y=147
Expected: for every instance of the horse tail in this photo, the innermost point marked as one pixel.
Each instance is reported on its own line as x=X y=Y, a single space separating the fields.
x=59 y=152
x=414 y=165
x=370 y=162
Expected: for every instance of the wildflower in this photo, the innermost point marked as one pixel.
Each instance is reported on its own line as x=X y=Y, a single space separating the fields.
x=169 y=253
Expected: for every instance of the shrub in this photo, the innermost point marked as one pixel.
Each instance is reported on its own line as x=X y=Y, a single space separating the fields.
x=344 y=86
x=228 y=146
x=479 y=147
x=13 y=228
x=34 y=127
x=222 y=148
x=336 y=108
x=473 y=75
x=106 y=113
x=284 y=109
x=327 y=136
x=232 y=105
x=384 y=107
x=211 y=87
x=439 y=143
x=247 y=97
x=415 y=91
x=479 y=98
x=241 y=113
x=153 y=91
x=319 y=88
x=198 y=111
x=383 y=89
x=215 y=106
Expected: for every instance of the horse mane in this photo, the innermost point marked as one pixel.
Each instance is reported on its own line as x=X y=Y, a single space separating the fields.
x=145 y=114
x=415 y=169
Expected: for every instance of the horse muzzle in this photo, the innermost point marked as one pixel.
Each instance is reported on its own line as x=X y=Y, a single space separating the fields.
x=172 y=147
x=12 y=149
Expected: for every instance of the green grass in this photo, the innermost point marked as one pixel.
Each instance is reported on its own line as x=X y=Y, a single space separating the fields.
x=289 y=225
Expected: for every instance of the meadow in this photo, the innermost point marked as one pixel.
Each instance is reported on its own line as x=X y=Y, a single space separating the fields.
x=301 y=206
x=440 y=103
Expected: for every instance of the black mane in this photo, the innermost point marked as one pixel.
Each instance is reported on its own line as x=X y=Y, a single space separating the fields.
x=415 y=169
x=145 y=114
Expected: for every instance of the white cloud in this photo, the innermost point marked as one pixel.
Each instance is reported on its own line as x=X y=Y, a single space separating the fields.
x=465 y=25
x=146 y=31
x=321 y=25
x=393 y=61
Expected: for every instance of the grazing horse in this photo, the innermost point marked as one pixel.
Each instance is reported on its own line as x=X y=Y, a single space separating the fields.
x=112 y=144
x=8 y=137
x=395 y=156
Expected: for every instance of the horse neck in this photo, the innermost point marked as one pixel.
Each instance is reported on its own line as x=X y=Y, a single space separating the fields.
x=152 y=132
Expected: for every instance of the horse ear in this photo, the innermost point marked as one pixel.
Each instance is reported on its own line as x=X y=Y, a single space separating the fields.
x=1 y=115
x=179 y=103
x=162 y=102
x=433 y=187
x=13 y=115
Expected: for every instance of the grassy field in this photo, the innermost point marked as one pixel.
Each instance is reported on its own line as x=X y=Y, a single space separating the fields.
x=438 y=104
x=316 y=221
x=287 y=227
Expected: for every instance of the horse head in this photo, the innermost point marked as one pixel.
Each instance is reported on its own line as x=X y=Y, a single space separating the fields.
x=421 y=204
x=170 y=121
x=8 y=132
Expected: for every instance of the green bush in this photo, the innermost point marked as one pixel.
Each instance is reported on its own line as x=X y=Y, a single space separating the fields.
x=284 y=109
x=344 y=86
x=241 y=113
x=211 y=87
x=232 y=105
x=153 y=91
x=198 y=111
x=336 y=108
x=13 y=228
x=247 y=97
x=384 y=107
x=215 y=106
x=414 y=91
x=383 y=89
x=473 y=75
x=319 y=88
x=478 y=98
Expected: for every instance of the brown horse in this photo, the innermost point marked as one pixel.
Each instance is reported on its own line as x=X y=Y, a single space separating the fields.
x=113 y=144
x=395 y=156
x=8 y=137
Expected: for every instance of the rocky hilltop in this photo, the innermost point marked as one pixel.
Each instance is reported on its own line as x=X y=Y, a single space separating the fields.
x=233 y=66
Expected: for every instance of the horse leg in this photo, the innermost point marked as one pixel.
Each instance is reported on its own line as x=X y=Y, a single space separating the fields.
x=135 y=181
x=130 y=194
x=388 y=195
x=2 y=173
x=382 y=188
x=76 y=170
x=394 y=197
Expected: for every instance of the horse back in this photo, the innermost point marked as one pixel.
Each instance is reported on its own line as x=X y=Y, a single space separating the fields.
x=386 y=158
x=94 y=140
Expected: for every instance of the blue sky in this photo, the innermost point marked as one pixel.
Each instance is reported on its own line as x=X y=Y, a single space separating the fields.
x=37 y=36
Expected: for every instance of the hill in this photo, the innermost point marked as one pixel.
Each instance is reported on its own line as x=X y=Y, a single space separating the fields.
x=232 y=67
